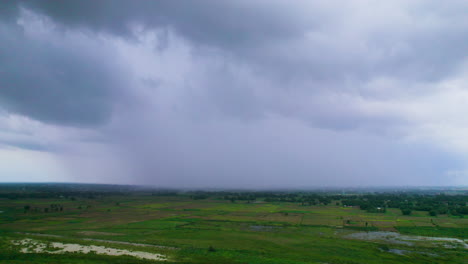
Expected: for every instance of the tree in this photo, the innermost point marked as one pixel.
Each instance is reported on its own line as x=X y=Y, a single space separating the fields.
x=405 y=211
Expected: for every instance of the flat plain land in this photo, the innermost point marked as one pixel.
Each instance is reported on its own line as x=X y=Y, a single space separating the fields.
x=220 y=231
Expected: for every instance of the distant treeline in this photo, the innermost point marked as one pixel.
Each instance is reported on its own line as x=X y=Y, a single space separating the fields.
x=55 y=195
x=432 y=202
x=374 y=203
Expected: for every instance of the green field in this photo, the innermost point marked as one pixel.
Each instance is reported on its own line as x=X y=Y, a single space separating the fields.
x=214 y=230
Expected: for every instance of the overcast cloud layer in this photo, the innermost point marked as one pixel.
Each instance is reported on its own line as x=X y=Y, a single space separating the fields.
x=252 y=94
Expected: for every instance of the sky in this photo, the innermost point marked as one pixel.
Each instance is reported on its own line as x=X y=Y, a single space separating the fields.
x=235 y=94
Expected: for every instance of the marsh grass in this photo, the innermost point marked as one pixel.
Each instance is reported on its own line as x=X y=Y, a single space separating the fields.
x=299 y=234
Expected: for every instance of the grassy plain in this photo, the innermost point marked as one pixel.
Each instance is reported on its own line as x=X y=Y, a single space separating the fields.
x=219 y=231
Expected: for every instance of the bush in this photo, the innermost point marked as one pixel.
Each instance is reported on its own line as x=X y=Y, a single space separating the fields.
x=211 y=249
x=405 y=211
x=384 y=247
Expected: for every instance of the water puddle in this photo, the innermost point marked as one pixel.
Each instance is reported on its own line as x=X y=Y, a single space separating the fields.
x=34 y=246
x=263 y=228
x=400 y=252
x=396 y=238
x=99 y=240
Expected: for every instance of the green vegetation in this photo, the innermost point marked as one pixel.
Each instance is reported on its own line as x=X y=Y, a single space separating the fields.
x=230 y=227
x=434 y=231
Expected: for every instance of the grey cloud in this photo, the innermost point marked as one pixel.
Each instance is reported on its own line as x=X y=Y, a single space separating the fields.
x=247 y=93
x=308 y=46
x=308 y=39
x=207 y=21
x=67 y=81
x=9 y=10
x=175 y=151
x=25 y=145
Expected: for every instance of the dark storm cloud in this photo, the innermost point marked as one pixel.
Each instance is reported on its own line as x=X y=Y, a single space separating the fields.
x=311 y=46
x=207 y=21
x=64 y=81
x=305 y=39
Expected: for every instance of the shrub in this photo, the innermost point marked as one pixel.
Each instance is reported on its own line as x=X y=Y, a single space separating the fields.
x=405 y=211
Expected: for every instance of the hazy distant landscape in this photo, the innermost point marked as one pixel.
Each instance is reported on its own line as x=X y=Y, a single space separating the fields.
x=63 y=223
